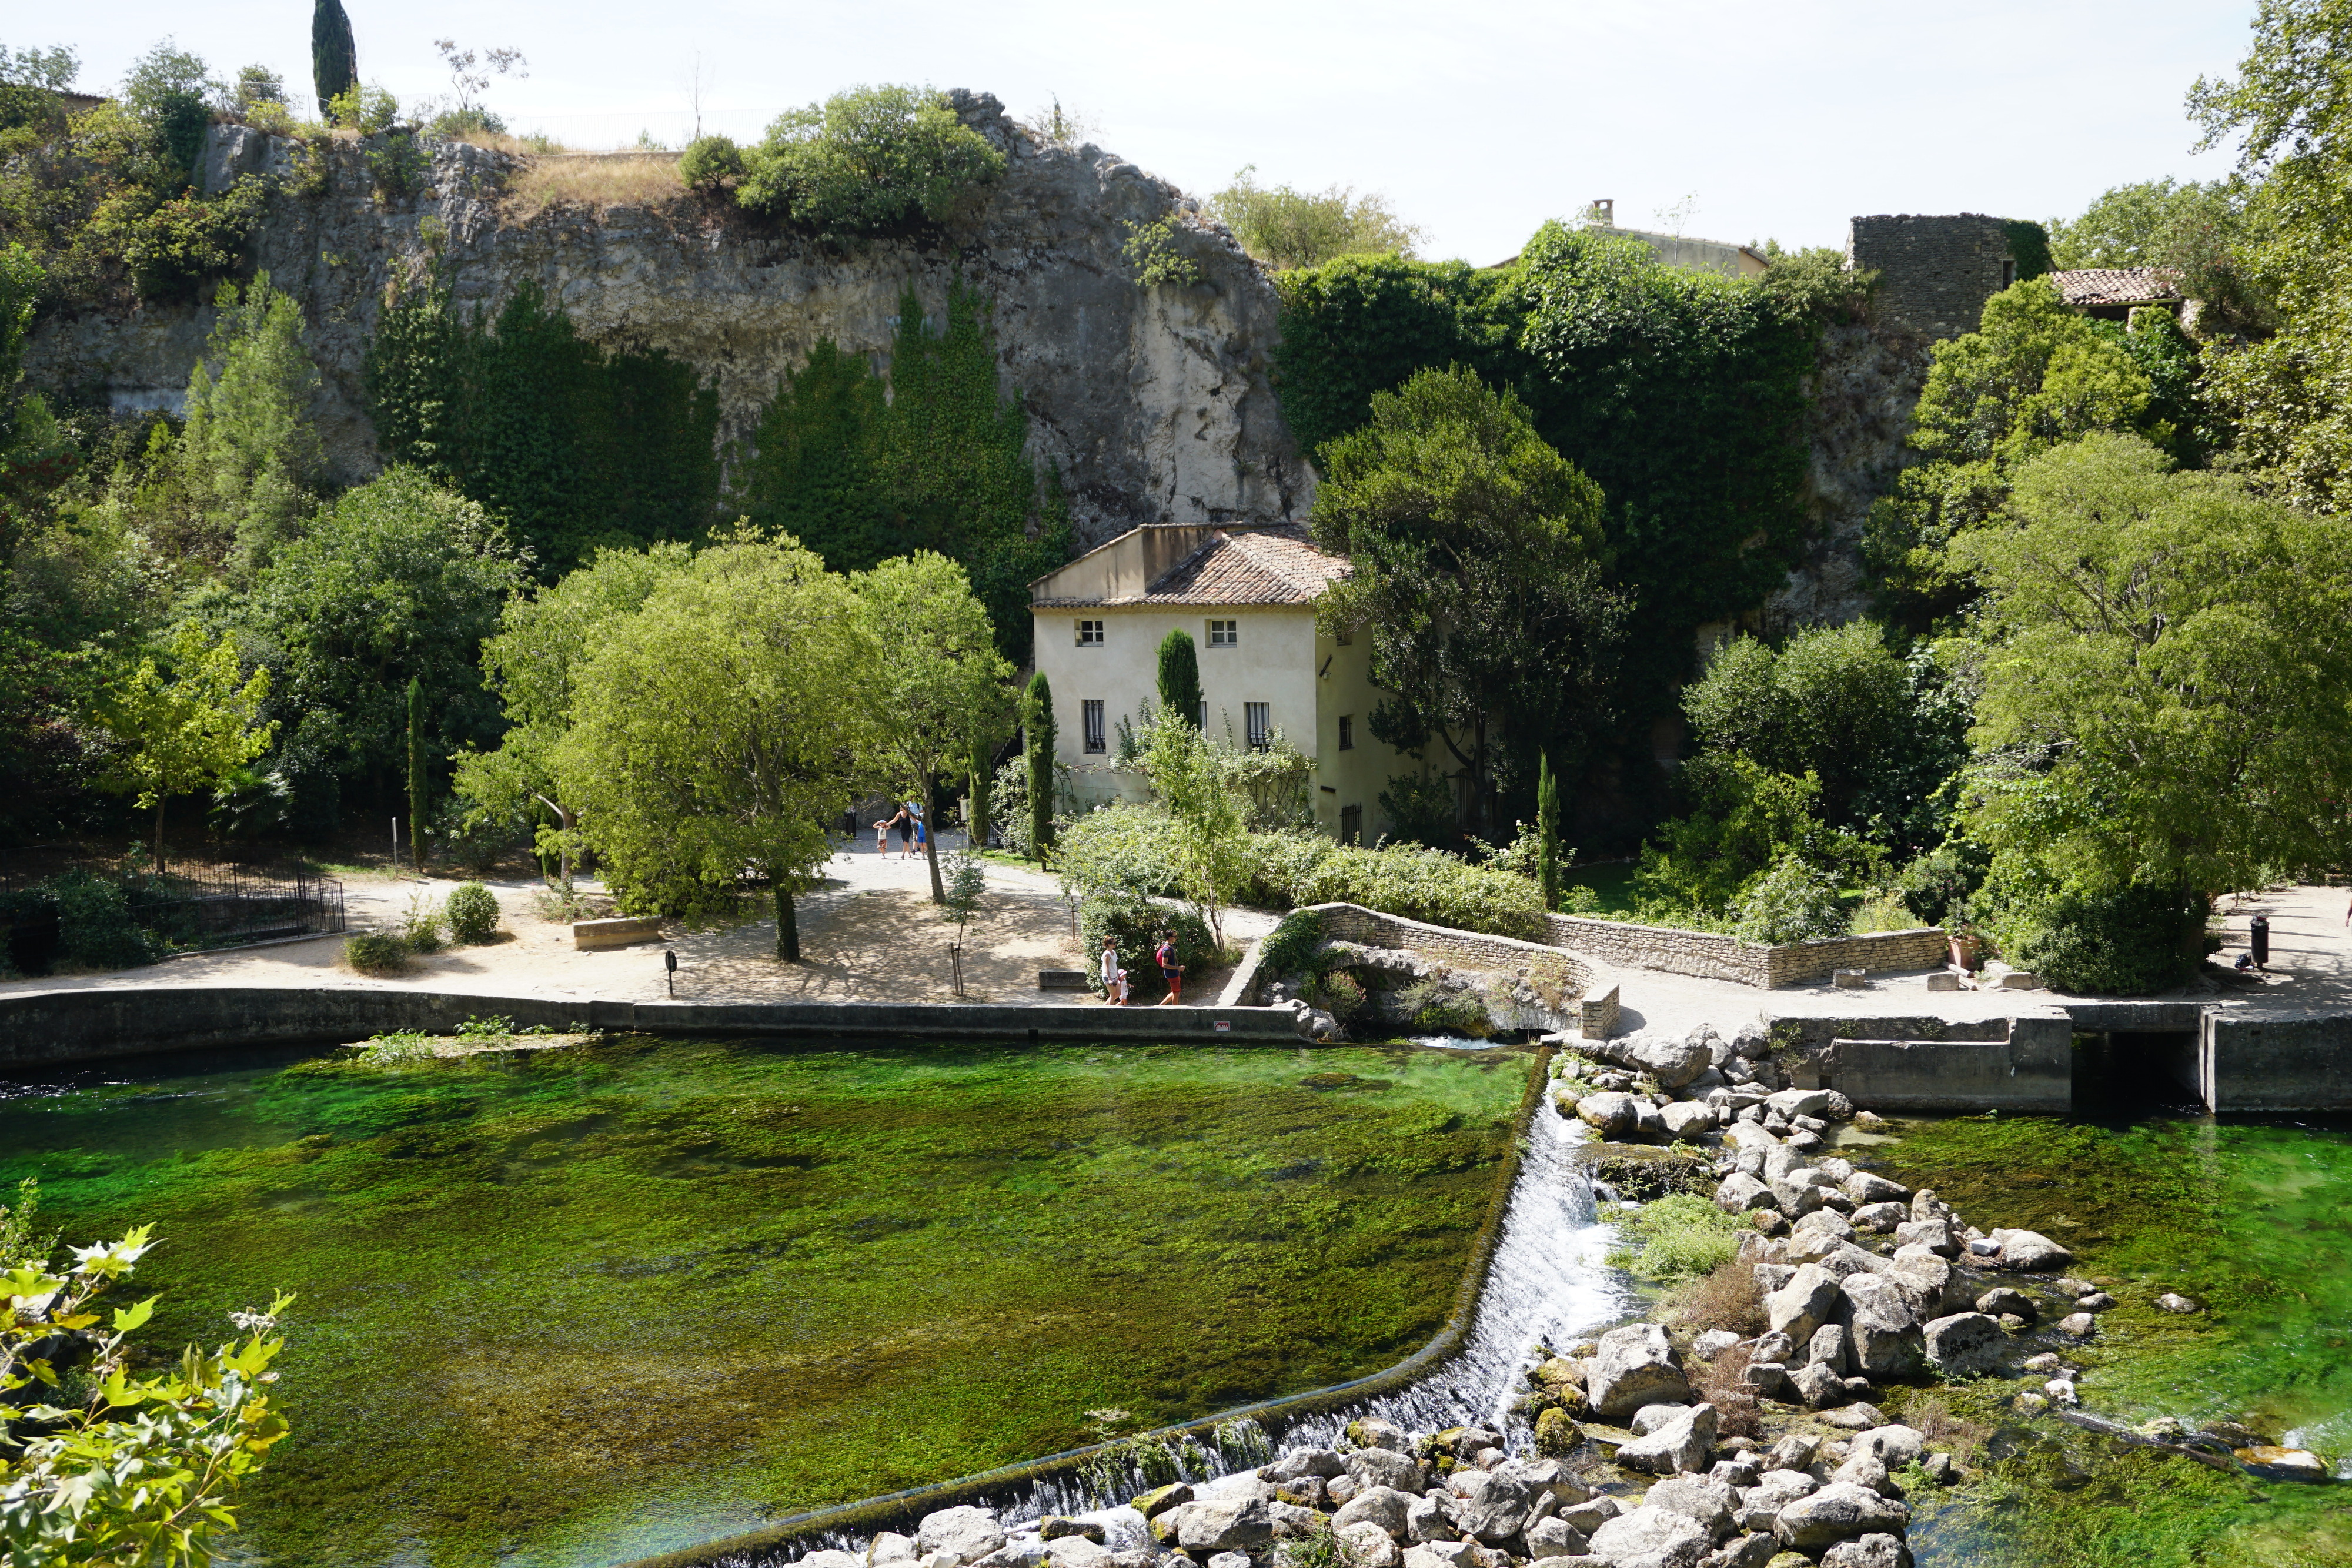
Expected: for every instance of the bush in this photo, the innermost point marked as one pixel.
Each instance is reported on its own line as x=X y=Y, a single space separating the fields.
x=184 y=243
x=1432 y=1008
x=872 y=161
x=1937 y=885
x=1791 y=903
x=1135 y=922
x=1678 y=1238
x=1419 y=810
x=1424 y=885
x=420 y=924
x=94 y=926
x=1290 y=947
x=2129 y=943
x=472 y=913
x=376 y=953
x=1120 y=846
x=1339 y=994
x=710 y=163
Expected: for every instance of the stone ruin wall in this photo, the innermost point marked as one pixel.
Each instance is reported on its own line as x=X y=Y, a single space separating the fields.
x=1155 y=403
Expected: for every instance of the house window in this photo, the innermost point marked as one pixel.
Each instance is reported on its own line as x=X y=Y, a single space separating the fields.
x=2008 y=273
x=1351 y=824
x=1091 y=712
x=1257 y=720
x=1347 y=732
x=1344 y=635
x=1225 y=633
x=1090 y=633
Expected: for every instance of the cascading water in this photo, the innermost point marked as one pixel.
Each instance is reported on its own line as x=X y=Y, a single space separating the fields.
x=1547 y=1282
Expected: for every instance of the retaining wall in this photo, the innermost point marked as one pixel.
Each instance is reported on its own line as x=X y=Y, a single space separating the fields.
x=1924 y=1066
x=2257 y=1063
x=1572 y=974
x=45 y=1028
x=1714 y=957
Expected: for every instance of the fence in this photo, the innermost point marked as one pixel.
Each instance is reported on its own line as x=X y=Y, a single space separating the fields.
x=191 y=902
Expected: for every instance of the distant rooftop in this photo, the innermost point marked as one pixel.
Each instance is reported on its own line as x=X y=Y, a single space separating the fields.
x=1256 y=566
x=2091 y=287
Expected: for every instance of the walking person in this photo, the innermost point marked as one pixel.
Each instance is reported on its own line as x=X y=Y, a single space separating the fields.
x=922 y=837
x=1170 y=969
x=882 y=837
x=904 y=826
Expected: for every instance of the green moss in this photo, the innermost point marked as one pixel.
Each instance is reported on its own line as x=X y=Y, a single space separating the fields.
x=580 y=1303
x=1679 y=1237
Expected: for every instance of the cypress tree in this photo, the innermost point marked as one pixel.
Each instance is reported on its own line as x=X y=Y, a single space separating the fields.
x=1548 y=830
x=416 y=770
x=1179 y=677
x=1037 y=720
x=334 y=53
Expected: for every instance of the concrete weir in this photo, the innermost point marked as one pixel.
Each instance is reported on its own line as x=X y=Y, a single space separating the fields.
x=2232 y=1060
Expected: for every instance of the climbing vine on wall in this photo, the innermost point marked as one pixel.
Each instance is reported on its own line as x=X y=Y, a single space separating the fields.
x=940 y=463
x=578 y=446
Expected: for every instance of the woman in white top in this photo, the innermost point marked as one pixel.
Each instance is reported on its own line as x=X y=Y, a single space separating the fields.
x=1111 y=972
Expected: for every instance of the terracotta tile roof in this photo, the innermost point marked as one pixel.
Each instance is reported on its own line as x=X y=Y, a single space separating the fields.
x=2117 y=286
x=1262 y=566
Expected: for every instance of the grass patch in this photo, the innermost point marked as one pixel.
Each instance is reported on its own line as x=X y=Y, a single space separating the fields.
x=632 y=180
x=1676 y=1238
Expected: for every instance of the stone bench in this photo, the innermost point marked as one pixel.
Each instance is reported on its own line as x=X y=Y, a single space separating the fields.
x=616 y=932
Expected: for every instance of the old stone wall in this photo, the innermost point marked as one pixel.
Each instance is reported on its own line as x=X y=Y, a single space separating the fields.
x=1713 y=956
x=1571 y=974
x=1934 y=271
x=1155 y=403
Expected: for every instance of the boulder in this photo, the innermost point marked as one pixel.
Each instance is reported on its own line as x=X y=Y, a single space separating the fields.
x=1679 y=1445
x=1878 y=1218
x=2003 y=1301
x=1752 y=1041
x=1592 y=1512
x=828 y=1560
x=1825 y=1222
x=1686 y=1117
x=1838 y=1511
x=1713 y=1343
x=1384 y=1467
x=1554 y=1538
x=1818 y=1386
x=2171 y=1303
x=1747 y=1552
x=1499 y=1510
x=1878 y=1551
x=1634 y=1365
x=1430 y=1520
x=1649 y=1537
x=1231 y=1522
x=1867 y=1470
x=1383 y=1506
x=2096 y=1301
x=1935 y=1235
x=1931 y=1285
x=1799 y=1102
x=1745 y=1134
x=1609 y=1114
x=1965 y=1344
x=1761 y=1504
x=1795 y=1199
x=889 y=1546
x=1883 y=1333
x=1770 y=1379
x=1828 y=1348
x=1371 y=1432
x=1440 y=1554
x=1079 y=1552
x=1863 y=1187
x=1673 y=1062
x=1893 y=1445
x=1160 y=1500
x=1807 y=1302
x=1702 y=1498
x=1741 y=1192
x=1055 y=1526
x=970 y=1533
x=1557 y=1432
x=2029 y=1253
x=1650 y=1417
x=2078 y=1325
x=1365 y=1545
x=1301 y=1462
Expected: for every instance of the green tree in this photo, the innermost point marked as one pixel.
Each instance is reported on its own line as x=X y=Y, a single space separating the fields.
x=125 y=1468
x=1287 y=229
x=818 y=447
x=531 y=662
x=1548 y=867
x=1213 y=855
x=1037 y=739
x=1477 y=555
x=417 y=816
x=871 y=161
x=2168 y=681
x=2200 y=232
x=2290 y=106
x=720 y=726
x=397 y=578
x=21 y=277
x=940 y=679
x=334 y=53
x=1179 y=677
x=189 y=731
x=249 y=453
x=172 y=92
x=2034 y=376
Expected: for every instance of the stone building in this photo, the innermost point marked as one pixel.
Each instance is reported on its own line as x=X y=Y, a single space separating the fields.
x=1936 y=272
x=2112 y=293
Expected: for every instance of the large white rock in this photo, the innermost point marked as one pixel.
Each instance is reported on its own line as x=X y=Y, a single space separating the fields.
x=1894 y=1445
x=2030 y=1251
x=1706 y=1499
x=1807 y=1302
x=1635 y=1366
x=1384 y=1506
x=1879 y=1550
x=1233 y=1522
x=1674 y=1446
x=1964 y=1344
x=1366 y=1545
x=1839 y=1512
x=1385 y=1467
x=971 y=1533
x=1800 y=1102
x=1882 y=1333
x=1650 y=1537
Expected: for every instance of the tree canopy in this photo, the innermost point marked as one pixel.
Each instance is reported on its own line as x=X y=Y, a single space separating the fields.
x=1284 y=227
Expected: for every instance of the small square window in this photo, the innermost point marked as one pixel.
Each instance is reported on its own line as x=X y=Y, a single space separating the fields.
x=2008 y=273
x=1347 y=732
x=1258 y=721
x=1091 y=716
x=1225 y=633
x=1090 y=633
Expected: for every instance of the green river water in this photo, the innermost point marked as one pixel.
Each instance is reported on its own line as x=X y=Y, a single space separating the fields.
x=577 y=1306
x=2252 y=1218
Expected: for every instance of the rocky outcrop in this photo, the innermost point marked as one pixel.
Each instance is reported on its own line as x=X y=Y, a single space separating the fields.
x=1155 y=402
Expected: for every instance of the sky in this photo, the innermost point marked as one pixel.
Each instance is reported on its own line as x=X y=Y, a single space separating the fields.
x=1477 y=122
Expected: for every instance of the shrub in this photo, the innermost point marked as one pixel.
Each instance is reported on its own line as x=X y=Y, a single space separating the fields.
x=394 y=1047
x=1419 y=810
x=1339 y=994
x=94 y=926
x=1678 y=1238
x=1135 y=922
x=1791 y=903
x=184 y=243
x=1937 y=885
x=472 y=913
x=710 y=163
x=1121 y=846
x=2135 y=940
x=420 y=924
x=1432 y=1008
x=1424 y=885
x=376 y=953
x=1290 y=947
x=871 y=161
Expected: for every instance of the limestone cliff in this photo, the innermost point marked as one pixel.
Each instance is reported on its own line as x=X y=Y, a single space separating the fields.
x=1155 y=402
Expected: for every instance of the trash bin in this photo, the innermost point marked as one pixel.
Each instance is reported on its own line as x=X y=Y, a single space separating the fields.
x=2261 y=927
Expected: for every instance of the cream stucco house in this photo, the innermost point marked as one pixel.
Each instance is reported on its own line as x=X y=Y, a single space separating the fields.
x=1247 y=597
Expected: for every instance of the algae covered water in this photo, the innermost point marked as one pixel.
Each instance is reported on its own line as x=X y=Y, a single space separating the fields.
x=2252 y=1219
x=584 y=1304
